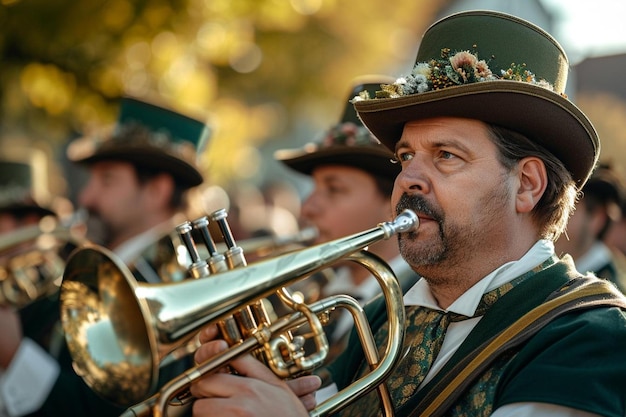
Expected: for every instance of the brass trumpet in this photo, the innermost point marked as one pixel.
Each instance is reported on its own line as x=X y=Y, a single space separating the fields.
x=120 y=332
x=31 y=264
x=268 y=245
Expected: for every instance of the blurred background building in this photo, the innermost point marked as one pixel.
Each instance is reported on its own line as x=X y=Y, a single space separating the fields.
x=266 y=74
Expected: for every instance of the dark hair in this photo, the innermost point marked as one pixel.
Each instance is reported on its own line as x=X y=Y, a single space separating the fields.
x=557 y=202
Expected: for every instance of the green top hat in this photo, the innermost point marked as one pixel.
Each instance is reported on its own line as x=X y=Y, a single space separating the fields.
x=492 y=67
x=152 y=137
x=346 y=143
x=16 y=193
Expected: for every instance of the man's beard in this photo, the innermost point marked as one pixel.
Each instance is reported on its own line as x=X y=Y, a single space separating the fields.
x=456 y=243
x=97 y=229
x=435 y=252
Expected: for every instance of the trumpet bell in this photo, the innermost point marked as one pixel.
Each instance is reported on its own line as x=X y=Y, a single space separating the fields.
x=106 y=327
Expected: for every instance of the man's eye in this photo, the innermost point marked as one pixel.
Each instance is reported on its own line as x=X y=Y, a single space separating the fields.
x=403 y=156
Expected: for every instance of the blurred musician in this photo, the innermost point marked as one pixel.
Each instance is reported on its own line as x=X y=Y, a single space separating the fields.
x=353 y=177
x=138 y=180
x=34 y=247
x=139 y=176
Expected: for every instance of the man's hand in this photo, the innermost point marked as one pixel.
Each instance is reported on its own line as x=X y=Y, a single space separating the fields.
x=255 y=391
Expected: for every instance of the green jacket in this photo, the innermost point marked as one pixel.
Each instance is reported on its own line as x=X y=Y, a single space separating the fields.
x=577 y=360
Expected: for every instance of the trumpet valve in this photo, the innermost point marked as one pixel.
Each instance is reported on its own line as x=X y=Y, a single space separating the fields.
x=198 y=268
x=234 y=255
x=216 y=261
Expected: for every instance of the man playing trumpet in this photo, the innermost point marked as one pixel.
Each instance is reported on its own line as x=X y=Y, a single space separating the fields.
x=493 y=155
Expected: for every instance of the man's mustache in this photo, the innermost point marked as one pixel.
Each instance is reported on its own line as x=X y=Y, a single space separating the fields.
x=419 y=205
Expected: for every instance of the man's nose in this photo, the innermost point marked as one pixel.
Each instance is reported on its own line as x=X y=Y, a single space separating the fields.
x=85 y=196
x=310 y=207
x=413 y=177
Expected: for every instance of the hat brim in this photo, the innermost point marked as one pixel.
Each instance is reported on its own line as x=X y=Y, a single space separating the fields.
x=543 y=116
x=151 y=158
x=368 y=159
x=20 y=209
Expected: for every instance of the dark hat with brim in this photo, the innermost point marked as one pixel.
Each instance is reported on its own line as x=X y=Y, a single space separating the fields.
x=348 y=143
x=16 y=191
x=515 y=78
x=375 y=159
x=151 y=137
x=26 y=208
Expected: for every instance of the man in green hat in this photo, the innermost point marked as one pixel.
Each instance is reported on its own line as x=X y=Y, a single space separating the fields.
x=493 y=155
x=353 y=177
x=139 y=177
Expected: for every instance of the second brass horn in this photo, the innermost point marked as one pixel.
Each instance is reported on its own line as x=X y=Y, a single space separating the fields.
x=32 y=261
x=118 y=331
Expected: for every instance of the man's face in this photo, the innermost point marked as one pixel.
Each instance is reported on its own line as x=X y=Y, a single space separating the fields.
x=345 y=200
x=114 y=200
x=452 y=178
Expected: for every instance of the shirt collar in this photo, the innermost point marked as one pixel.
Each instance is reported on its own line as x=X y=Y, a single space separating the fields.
x=420 y=294
x=130 y=250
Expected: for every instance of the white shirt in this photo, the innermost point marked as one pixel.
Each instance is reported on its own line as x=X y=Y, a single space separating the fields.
x=28 y=380
x=466 y=304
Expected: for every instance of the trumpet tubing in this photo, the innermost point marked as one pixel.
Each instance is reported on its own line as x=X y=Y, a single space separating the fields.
x=120 y=332
x=267 y=245
x=381 y=368
x=31 y=265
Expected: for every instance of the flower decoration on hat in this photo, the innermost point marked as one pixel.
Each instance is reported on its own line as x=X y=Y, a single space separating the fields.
x=460 y=68
x=344 y=134
x=131 y=136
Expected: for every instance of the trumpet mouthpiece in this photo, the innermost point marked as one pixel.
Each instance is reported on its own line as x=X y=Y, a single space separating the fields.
x=404 y=222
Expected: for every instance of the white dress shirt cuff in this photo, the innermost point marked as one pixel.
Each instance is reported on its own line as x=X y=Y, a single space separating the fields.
x=28 y=380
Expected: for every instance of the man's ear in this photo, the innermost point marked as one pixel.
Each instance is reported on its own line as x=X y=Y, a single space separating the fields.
x=533 y=180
